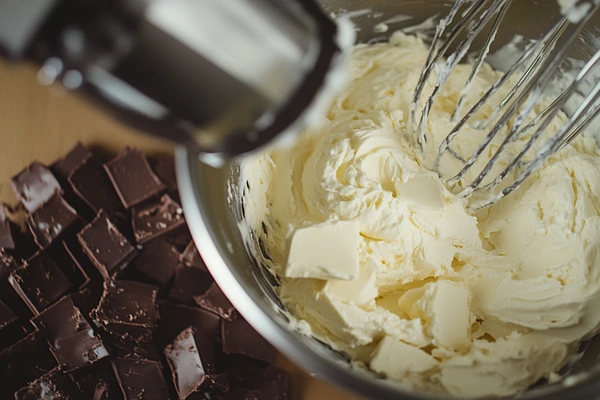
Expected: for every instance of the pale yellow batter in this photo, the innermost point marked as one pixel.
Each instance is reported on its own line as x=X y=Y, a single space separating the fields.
x=422 y=289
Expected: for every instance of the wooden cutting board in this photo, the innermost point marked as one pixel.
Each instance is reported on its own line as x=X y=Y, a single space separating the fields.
x=42 y=123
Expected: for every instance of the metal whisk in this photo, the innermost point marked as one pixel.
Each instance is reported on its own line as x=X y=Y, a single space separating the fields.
x=537 y=64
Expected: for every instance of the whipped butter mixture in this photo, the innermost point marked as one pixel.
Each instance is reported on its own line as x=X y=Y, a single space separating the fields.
x=380 y=260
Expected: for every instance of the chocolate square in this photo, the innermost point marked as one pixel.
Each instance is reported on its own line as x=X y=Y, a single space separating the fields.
x=72 y=340
x=77 y=255
x=106 y=247
x=7 y=294
x=271 y=383
x=190 y=358
x=141 y=379
x=175 y=318
x=156 y=262
x=189 y=283
x=132 y=177
x=6 y=236
x=164 y=167
x=39 y=282
x=53 y=385
x=240 y=338
x=25 y=361
x=88 y=298
x=52 y=219
x=91 y=183
x=155 y=218
x=64 y=166
x=61 y=256
x=11 y=330
x=97 y=381
x=214 y=300
x=127 y=311
x=6 y=315
x=191 y=257
x=34 y=186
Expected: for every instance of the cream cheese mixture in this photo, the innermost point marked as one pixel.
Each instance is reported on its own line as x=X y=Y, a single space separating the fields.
x=380 y=260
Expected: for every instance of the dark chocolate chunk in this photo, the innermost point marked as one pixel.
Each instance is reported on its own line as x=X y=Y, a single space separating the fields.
x=214 y=300
x=83 y=262
x=156 y=262
x=141 y=379
x=63 y=167
x=39 y=282
x=191 y=257
x=97 y=381
x=72 y=340
x=25 y=361
x=52 y=219
x=180 y=238
x=53 y=385
x=34 y=186
x=164 y=167
x=240 y=338
x=6 y=236
x=188 y=283
x=272 y=384
x=132 y=177
x=143 y=351
x=155 y=218
x=175 y=318
x=7 y=294
x=61 y=256
x=88 y=297
x=6 y=315
x=91 y=183
x=106 y=247
x=219 y=382
x=189 y=357
x=127 y=311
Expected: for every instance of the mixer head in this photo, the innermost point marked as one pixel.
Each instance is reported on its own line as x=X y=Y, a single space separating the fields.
x=514 y=116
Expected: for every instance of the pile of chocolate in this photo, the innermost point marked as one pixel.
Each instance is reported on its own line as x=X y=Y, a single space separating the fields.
x=103 y=295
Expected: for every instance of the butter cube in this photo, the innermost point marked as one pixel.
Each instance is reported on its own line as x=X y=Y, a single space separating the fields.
x=324 y=251
x=395 y=359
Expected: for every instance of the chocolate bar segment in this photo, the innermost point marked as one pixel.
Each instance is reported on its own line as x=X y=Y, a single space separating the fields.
x=53 y=385
x=52 y=219
x=164 y=167
x=97 y=381
x=91 y=183
x=39 y=282
x=25 y=361
x=141 y=379
x=127 y=311
x=34 y=186
x=214 y=300
x=155 y=218
x=63 y=167
x=191 y=257
x=240 y=338
x=189 y=283
x=6 y=236
x=106 y=247
x=132 y=177
x=156 y=262
x=175 y=318
x=6 y=315
x=73 y=341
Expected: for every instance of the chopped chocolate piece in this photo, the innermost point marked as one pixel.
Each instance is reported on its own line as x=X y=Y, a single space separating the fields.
x=6 y=236
x=25 y=361
x=143 y=351
x=191 y=359
x=156 y=262
x=175 y=318
x=140 y=379
x=97 y=380
x=127 y=310
x=11 y=334
x=34 y=186
x=91 y=183
x=39 y=282
x=72 y=340
x=105 y=245
x=122 y=220
x=6 y=315
x=53 y=385
x=52 y=219
x=83 y=262
x=63 y=167
x=188 y=283
x=272 y=384
x=191 y=257
x=7 y=294
x=164 y=167
x=214 y=300
x=132 y=177
x=240 y=338
x=155 y=218
x=61 y=256
x=180 y=238
x=219 y=382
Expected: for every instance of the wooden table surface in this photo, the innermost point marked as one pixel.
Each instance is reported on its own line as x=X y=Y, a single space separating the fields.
x=42 y=123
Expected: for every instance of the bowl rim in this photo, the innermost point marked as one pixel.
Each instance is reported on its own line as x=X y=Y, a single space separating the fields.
x=356 y=382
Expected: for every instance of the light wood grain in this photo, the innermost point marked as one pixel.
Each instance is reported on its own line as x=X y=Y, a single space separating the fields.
x=42 y=123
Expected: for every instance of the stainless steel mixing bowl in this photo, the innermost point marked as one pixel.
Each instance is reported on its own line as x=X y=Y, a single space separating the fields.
x=213 y=221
